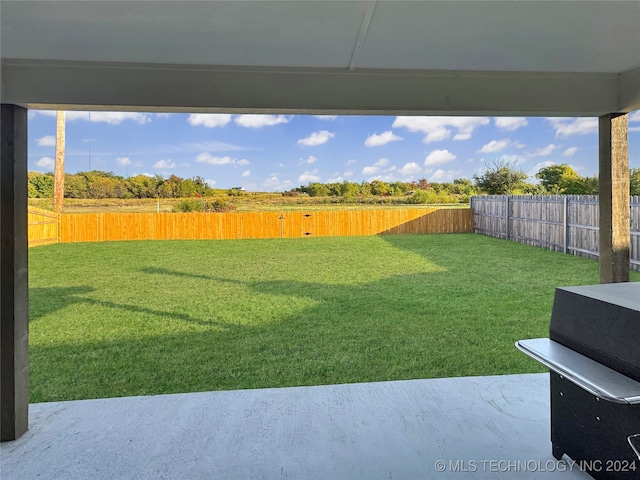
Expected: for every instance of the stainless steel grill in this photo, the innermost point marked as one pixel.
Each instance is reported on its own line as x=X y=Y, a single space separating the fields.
x=593 y=352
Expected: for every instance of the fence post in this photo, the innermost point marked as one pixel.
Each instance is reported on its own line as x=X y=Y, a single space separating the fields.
x=565 y=221
x=506 y=216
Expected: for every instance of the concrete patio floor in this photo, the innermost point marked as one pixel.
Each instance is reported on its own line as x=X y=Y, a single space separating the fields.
x=454 y=428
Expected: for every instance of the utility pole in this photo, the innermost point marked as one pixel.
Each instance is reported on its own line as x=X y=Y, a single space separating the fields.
x=58 y=185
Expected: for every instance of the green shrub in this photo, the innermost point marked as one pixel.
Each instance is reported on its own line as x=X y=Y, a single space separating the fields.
x=428 y=197
x=189 y=205
x=221 y=205
x=421 y=197
x=40 y=185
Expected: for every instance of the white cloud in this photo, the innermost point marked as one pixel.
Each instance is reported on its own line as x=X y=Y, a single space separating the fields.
x=271 y=182
x=439 y=128
x=634 y=116
x=370 y=170
x=209 y=120
x=281 y=165
x=539 y=166
x=337 y=179
x=410 y=168
x=164 y=164
x=510 y=123
x=570 y=152
x=377 y=167
x=383 y=178
x=445 y=175
x=316 y=138
x=163 y=115
x=246 y=173
x=462 y=136
x=351 y=162
x=207 y=146
x=46 y=162
x=437 y=135
x=494 y=146
x=259 y=121
x=383 y=162
x=275 y=184
x=439 y=157
x=376 y=140
x=544 y=151
x=348 y=173
x=310 y=160
x=566 y=127
x=326 y=117
x=307 y=177
x=123 y=161
x=210 y=181
x=206 y=157
x=46 y=141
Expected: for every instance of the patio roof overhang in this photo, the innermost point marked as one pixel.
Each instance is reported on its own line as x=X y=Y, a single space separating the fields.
x=478 y=57
x=579 y=58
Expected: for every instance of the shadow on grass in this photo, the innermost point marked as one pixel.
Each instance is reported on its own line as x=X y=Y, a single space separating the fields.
x=396 y=328
x=174 y=273
x=48 y=300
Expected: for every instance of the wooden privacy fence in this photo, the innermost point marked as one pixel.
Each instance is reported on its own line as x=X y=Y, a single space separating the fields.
x=44 y=226
x=565 y=223
x=100 y=227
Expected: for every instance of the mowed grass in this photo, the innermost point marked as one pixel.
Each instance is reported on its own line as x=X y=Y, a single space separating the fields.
x=139 y=318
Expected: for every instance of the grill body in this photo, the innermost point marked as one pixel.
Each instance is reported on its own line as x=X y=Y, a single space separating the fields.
x=601 y=322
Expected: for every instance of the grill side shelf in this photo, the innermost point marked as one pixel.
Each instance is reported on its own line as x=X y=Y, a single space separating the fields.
x=588 y=374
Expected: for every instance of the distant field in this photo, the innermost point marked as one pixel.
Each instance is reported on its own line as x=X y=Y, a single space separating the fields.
x=139 y=318
x=248 y=202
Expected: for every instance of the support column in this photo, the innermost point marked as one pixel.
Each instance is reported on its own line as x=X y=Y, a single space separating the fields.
x=615 y=235
x=14 y=318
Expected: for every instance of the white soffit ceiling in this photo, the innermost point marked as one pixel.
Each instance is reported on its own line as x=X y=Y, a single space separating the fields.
x=539 y=36
x=520 y=55
x=517 y=35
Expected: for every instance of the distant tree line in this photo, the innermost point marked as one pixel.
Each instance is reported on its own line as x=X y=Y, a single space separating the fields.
x=97 y=184
x=421 y=191
x=499 y=178
x=503 y=177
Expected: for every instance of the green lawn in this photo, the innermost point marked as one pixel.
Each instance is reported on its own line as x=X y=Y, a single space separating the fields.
x=139 y=318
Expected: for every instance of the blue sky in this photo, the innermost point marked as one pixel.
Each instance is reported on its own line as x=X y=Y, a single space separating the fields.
x=279 y=152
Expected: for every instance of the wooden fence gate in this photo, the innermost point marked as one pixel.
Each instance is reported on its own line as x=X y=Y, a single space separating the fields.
x=44 y=226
